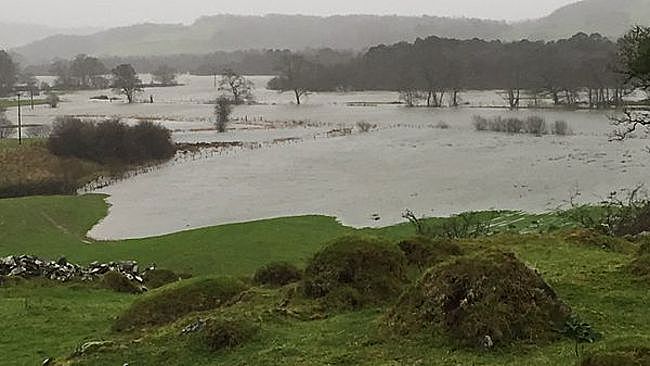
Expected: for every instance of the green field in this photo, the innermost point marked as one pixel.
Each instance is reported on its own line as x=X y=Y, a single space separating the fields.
x=40 y=320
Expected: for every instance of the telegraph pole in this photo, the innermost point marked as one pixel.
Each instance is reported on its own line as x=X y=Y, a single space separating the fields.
x=20 y=122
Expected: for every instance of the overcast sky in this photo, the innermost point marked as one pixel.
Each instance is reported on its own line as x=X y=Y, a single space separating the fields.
x=103 y=13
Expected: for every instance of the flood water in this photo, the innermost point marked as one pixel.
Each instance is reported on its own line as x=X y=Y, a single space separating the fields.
x=364 y=179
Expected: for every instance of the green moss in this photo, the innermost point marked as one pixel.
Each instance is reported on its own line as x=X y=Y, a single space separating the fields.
x=375 y=268
x=489 y=299
x=169 y=303
x=277 y=274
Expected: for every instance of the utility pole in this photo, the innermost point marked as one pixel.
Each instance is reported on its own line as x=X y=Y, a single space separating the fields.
x=20 y=122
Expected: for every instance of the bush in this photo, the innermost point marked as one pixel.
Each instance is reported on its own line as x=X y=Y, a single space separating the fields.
x=52 y=100
x=375 y=268
x=160 y=277
x=592 y=238
x=220 y=334
x=110 y=141
x=169 y=303
x=630 y=356
x=640 y=267
x=442 y=125
x=535 y=125
x=481 y=123
x=488 y=300
x=560 y=128
x=119 y=283
x=277 y=274
x=222 y=111
x=424 y=252
x=365 y=127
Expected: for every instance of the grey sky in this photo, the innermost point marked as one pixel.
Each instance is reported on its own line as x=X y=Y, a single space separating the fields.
x=102 y=13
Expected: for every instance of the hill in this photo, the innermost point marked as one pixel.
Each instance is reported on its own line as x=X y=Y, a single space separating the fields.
x=19 y=34
x=233 y=32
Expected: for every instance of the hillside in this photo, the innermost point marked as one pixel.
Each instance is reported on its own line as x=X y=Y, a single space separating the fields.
x=231 y=32
x=19 y=34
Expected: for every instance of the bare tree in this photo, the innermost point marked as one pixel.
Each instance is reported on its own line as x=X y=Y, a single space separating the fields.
x=237 y=85
x=5 y=124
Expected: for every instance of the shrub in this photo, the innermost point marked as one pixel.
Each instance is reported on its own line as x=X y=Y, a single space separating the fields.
x=480 y=123
x=560 y=128
x=220 y=334
x=592 y=238
x=277 y=274
x=119 y=283
x=222 y=111
x=160 y=277
x=169 y=303
x=442 y=125
x=535 y=125
x=629 y=356
x=640 y=267
x=5 y=124
x=52 y=100
x=491 y=299
x=422 y=251
x=110 y=141
x=373 y=267
x=365 y=127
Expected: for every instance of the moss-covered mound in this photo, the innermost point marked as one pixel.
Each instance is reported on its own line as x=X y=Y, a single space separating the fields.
x=487 y=300
x=277 y=274
x=220 y=334
x=622 y=357
x=364 y=269
x=160 y=277
x=640 y=267
x=590 y=238
x=169 y=303
x=119 y=283
x=424 y=252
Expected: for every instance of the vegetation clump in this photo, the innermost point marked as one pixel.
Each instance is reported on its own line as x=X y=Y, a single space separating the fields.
x=364 y=270
x=629 y=356
x=423 y=252
x=592 y=238
x=160 y=277
x=120 y=283
x=483 y=301
x=277 y=274
x=221 y=334
x=169 y=303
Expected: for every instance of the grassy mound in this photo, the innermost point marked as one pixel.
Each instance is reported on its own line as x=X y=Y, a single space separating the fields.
x=424 y=252
x=486 y=300
x=590 y=238
x=160 y=277
x=119 y=283
x=220 y=334
x=373 y=268
x=168 y=304
x=641 y=267
x=620 y=357
x=277 y=274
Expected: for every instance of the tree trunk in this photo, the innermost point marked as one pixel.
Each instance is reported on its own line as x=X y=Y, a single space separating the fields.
x=297 y=92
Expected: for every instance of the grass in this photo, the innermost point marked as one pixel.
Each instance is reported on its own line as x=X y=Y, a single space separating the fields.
x=11 y=103
x=41 y=320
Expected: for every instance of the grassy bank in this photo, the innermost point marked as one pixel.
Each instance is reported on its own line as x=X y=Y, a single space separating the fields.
x=41 y=320
x=11 y=103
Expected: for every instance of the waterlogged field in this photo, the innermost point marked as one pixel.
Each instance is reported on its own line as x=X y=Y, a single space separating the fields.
x=291 y=163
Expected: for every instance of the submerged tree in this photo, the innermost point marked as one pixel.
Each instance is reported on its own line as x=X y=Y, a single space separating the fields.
x=222 y=111
x=164 y=75
x=238 y=86
x=295 y=74
x=126 y=81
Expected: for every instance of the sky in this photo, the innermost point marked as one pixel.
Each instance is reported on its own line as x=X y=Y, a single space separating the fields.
x=106 y=13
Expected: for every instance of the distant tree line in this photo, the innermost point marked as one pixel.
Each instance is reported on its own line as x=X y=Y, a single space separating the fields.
x=433 y=71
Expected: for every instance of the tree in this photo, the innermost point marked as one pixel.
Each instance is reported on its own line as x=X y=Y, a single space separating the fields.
x=126 y=81
x=634 y=53
x=165 y=75
x=295 y=73
x=237 y=85
x=87 y=71
x=8 y=73
x=52 y=100
x=5 y=124
x=222 y=111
